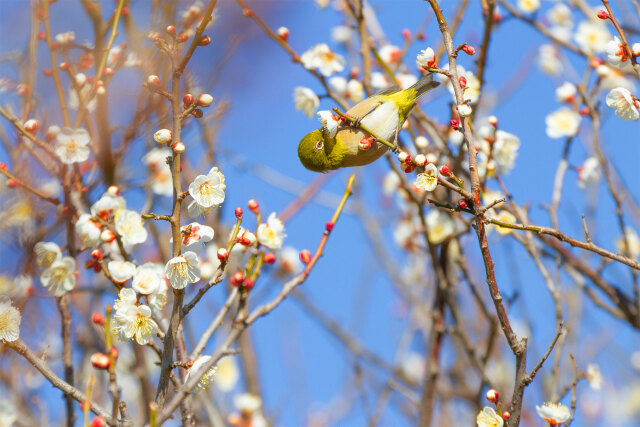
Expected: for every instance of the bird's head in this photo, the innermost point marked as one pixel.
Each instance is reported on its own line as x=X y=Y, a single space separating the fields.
x=314 y=150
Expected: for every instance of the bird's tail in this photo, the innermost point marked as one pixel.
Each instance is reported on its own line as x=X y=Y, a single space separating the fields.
x=424 y=85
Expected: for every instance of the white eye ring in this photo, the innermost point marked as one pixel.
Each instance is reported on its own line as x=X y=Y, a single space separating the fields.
x=319 y=145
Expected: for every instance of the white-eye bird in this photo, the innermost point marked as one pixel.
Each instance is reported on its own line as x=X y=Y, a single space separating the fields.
x=382 y=113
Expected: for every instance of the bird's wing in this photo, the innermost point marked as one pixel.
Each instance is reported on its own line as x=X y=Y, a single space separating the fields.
x=364 y=107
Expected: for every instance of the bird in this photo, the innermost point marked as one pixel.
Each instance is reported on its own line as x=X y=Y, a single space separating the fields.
x=382 y=113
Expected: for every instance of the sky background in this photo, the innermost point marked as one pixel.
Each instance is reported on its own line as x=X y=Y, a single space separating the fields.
x=302 y=368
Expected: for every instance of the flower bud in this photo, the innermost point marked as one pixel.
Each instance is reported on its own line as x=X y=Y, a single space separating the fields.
x=421 y=142
x=41 y=35
x=584 y=110
x=97 y=319
x=205 y=100
x=197 y=113
x=463 y=82
x=406 y=33
x=602 y=14
x=454 y=123
x=187 y=100
x=329 y=225
x=269 y=258
x=107 y=236
x=237 y=278
x=98 y=421
x=493 y=121
x=365 y=143
x=204 y=41
x=248 y=284
x=13 y=183
x=163 y=136
x=253 y=206
x=182 y=38
x=462 y=203
x=238 y=212
x=635 y=49
x=101 y=90
x=492 y=396
x=247 y=12
x=64 y=66
x=114 y=352
x=223 y=254
x=47 y=72
x=403 y=156
x=421 y=160
x=408 y=167
x=305 y=256
x=153 y=80
x=178 y=147
x=31 y=125
x=283 y=33
x=171 y=30
x=4 y=166
x=506 y=415
x=96 y=254
x=464 y=110
x=421 y=36
x=469 y=50
x=445 y=171
x=100 y=361
x=114 y=189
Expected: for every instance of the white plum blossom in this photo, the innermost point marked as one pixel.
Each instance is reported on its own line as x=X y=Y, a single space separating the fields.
x=134 y=322
x=440 y=226
x=197 y=370
x=549 y=59
x=505 y=151
x=195 y=210
x=625 y=103
x=554 y=413
x=306 y=100
x=148 y=278
x=508 y=217
x=247 y=403
x=327 y=119
x=227 y=374
x=272 y=233
x=46 y=253
x=9 y=320
x=158 y=299
x=84 y=93
x=121 y=271
x=352 y=89
x=390 y=54
x=88 y=230
x=562 y=123
x=589 y=172
x=592 y=37
x=379 y=81
x=71 y=145
x=529 y=6
x=631 y=238
x=594 y=376
x=59 y=277
x=288 y=262
x=194 y=236
x=208 y=190
x=341 y=34
x=183 y=270
x=107 y=205
x=616 y=53
x=560 y=16
x=130 y=226
x=566 y=92
x=8 y=413
x=324 y=59
x=427 y=180
x=159 y=171
x=426 y=58
x=488 y=417
x=65 y=38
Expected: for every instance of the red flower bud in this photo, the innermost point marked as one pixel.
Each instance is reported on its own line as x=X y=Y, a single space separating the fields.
x=41 y=35
x=249 y=283
x=171 y=30
x=454 y=123
x=268 y=258
x=98 y=422
x=462 y=203
x=96 y=254
x=253 y=206
x=182 y=38
x=445 y=171
x=329 y=225
x=64 y=66
x=421 y=36
x=492 y=396
x=584 y=111
x=13 y=183
x=602 y=14
x=47 y=72
x=406 y=33
x=204 y=41
x=97 y=319
x=114 y=352
x=237 y=278
x=100 y=361
x=4 y=166
x=247 y=12
x=506 y=415
x=305 y=256
x=463 y=82
x=187 y=100
x=197 y=113
x=469 y=50
x=223 y=254
x=238 y=212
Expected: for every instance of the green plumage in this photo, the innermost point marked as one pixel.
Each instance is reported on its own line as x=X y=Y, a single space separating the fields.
x=382 y=113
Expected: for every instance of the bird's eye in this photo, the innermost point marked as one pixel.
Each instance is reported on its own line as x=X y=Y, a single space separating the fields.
x=319 y=145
